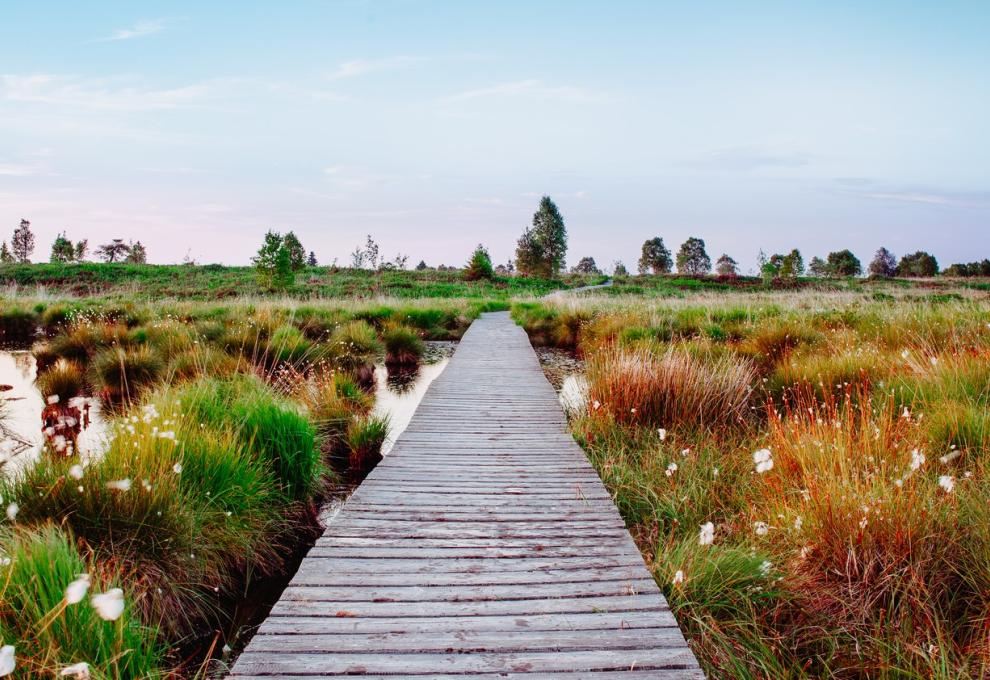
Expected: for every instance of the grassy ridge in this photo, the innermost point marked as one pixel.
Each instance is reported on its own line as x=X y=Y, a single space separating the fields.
x=806 y=472
x=676 y=286
x=212 y=282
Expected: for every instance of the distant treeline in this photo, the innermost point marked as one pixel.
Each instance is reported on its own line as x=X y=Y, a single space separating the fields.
x=540 y=252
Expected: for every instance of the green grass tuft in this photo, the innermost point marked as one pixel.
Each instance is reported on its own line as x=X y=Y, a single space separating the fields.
x=50 y=634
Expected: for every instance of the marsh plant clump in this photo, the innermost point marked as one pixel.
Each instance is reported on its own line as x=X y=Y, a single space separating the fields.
x=806 y=473
x=190 y=493
x=65 y=378
x=403 y=347
x=364 y=439
x=48 y=581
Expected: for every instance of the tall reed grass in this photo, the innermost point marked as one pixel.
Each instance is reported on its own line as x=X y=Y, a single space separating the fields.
x=669 y=388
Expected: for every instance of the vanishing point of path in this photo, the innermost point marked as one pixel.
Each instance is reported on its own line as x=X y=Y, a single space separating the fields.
x=484 y=545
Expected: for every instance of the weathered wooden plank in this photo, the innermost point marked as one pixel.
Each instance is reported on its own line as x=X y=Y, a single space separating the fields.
x=437 y=642
x=601 y=621
x=268 y=663
x=535 y=545
x=625 y=674
x=478 y=515
x=574 y=605
x=367 y=565
x=483 y=546
x=316 y=574
x=358 y=592
x=413 y=549
x=375 y=524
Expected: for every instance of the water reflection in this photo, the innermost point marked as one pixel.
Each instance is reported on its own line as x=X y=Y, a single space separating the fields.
x=573 y=393
x=397 y=394
x=399 y=391
x=21 y=436
x=565 y=371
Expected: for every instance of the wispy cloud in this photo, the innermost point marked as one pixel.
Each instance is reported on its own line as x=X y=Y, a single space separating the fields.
x=487 y=200
x=138 y=30
x=532 y=88
x=581 y=193
x=910 y=197
x=753 y=157
x=914 y=195
x=19 y=169
x=958 y=200
x=345 y=179
x=27 y=164
x=96 y=94
x=359 y=67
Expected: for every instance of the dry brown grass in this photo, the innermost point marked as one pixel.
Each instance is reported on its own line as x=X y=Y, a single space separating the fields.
x=670 y=388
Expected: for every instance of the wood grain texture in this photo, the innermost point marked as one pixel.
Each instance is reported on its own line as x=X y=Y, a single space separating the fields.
x=483 y=546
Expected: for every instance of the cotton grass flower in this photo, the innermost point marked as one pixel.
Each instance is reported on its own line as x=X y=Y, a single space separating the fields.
x=109 y=605
x=949 y=457
x=120 y=485
x=149 y=413
x=76 y=591
x=763 y=460
x=663 y=434
x=76 y=670
x=947 y=482
x=76 y=471
x=678 y=577
x=12 y=511
x=707 y=534
x=761 y=528
x=671 y=469
x=177 y=468
x=7 y=660
x=917 y=459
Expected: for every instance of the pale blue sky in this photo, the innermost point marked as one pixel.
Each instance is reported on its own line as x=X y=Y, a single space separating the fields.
x=436 y=125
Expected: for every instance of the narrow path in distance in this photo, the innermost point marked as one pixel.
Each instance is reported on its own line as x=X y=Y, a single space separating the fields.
x=484 y=545
x=579 y=289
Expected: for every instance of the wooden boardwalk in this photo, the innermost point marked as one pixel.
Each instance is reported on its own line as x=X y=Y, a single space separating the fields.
x=484 y=545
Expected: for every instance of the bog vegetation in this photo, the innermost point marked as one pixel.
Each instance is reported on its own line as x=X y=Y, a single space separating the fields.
x=806 y=472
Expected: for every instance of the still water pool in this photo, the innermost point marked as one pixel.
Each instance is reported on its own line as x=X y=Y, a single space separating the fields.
x=21 y=435
x=397 y=394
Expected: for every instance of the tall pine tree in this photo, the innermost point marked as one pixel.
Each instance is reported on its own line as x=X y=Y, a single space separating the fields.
x=542 y=248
